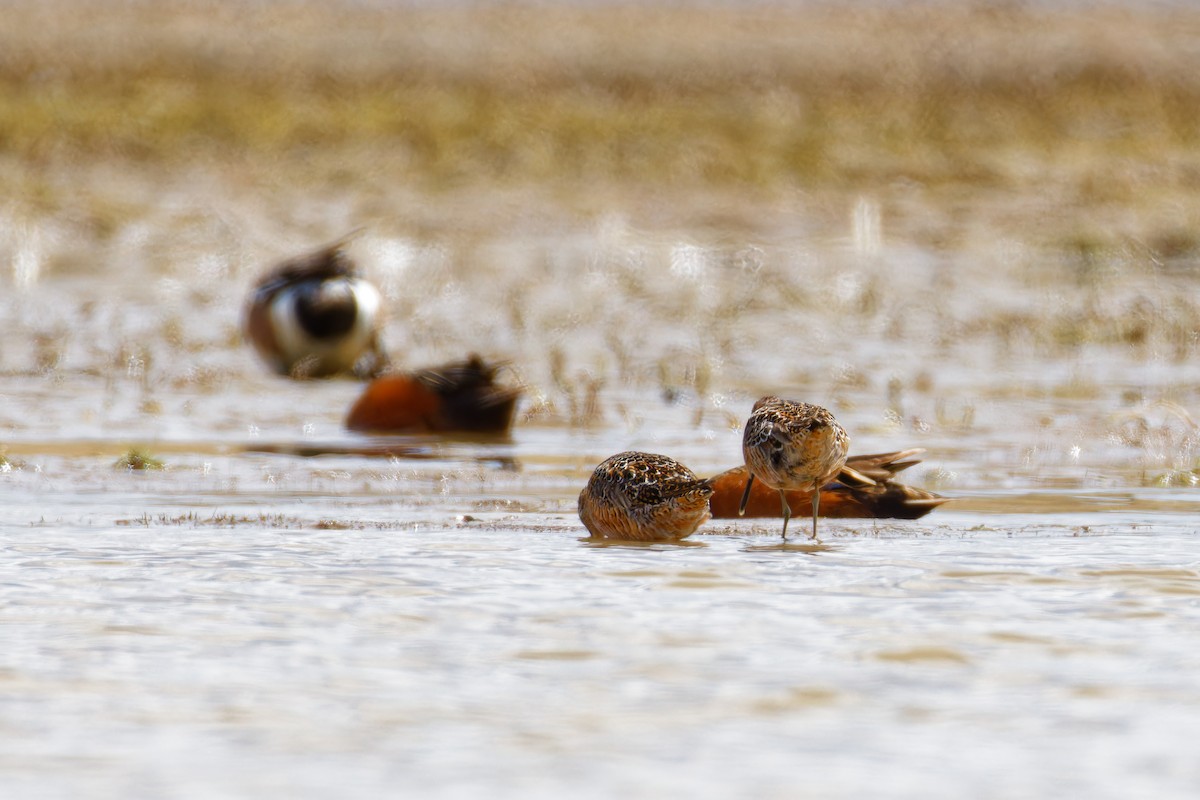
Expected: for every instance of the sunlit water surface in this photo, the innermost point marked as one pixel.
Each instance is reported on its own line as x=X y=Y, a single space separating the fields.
x=275 y=615
x=416 y=655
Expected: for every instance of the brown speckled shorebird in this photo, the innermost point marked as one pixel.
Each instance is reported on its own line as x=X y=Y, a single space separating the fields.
x=313 y=316
x=643 y=497
x=793 y=446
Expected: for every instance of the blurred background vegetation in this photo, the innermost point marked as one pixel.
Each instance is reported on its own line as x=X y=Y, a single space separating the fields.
x=942 y=219
x=1079 y=112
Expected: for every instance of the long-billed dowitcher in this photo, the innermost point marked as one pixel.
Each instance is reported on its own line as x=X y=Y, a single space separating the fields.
x=846 y=498
x=313 y=316
x=793 y=446
x=643 y=497
x=459 y=396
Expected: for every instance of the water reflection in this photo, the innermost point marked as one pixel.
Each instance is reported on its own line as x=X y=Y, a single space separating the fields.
x=598 y=542
x=809 y=548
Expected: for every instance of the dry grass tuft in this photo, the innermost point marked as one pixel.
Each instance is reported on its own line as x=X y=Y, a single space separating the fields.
x=138 y=459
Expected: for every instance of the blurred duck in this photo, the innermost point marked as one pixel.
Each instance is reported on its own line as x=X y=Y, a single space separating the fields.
x=312 y=317
x=849 y=497
x=461 y=396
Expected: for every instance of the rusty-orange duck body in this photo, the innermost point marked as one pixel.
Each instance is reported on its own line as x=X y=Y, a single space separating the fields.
x=460 y=396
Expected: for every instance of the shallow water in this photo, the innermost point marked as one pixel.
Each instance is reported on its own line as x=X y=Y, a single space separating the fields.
x=417 y=654
x=274 y=614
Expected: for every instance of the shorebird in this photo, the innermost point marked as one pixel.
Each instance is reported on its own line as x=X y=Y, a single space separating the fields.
x=793 y=446
x=846 y=498
x=460 y=396
x=643 y=497
x=313 y=316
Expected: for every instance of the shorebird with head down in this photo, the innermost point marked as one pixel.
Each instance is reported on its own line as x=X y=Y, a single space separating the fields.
x=793 y=446
x=644 y=497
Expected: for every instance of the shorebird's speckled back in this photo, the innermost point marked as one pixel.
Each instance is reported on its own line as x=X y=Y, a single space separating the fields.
x=643 y=497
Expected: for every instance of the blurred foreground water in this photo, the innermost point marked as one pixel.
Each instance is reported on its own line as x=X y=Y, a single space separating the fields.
x=273 y=613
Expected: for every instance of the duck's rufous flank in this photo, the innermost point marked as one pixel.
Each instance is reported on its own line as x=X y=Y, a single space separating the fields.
x=793 y=446
x=846 y=498
x=636 y=496
x=461 y=396
x=313 y=316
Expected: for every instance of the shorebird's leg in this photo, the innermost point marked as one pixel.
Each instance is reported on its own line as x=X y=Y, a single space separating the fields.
x=746 y=495
x=816 y=502
x=787 y=511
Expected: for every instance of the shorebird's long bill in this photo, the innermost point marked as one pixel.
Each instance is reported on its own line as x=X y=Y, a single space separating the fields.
x=746 y=495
